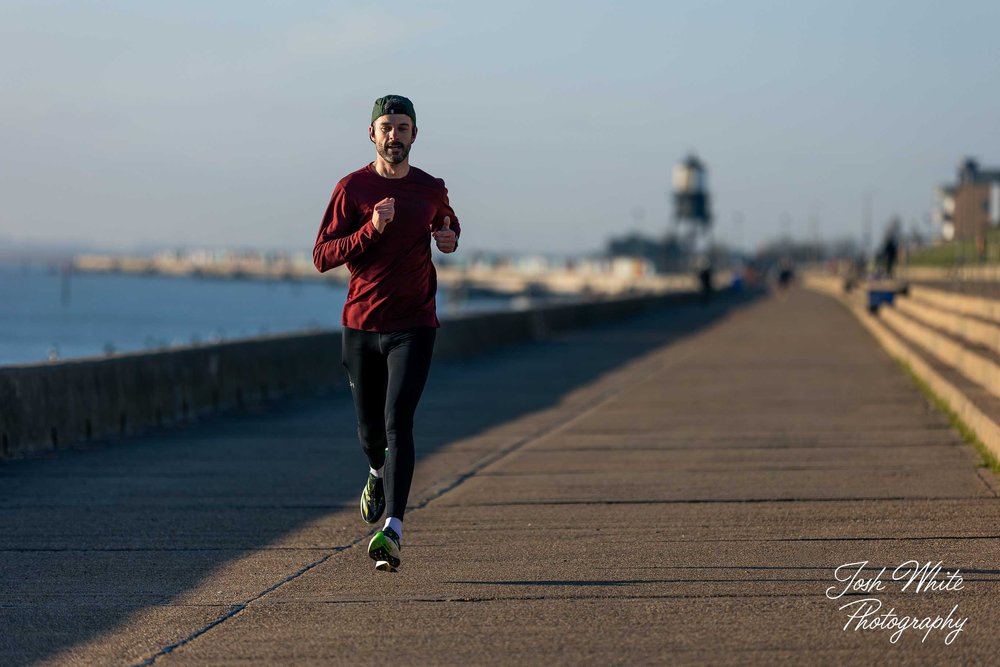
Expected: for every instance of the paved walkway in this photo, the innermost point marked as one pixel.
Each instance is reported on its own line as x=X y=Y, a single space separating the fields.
x=676 y=489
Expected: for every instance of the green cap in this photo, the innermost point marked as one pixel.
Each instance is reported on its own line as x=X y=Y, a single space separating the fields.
x=393 y=104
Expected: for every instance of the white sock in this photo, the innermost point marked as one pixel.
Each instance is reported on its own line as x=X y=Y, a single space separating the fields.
x=395 y=524
x=377 y=473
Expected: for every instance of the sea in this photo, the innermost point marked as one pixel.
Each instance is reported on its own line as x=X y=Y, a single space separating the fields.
x=49 y=314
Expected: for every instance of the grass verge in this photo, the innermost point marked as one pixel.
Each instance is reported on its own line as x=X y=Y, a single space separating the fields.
x=957 y=253
x=988 y=459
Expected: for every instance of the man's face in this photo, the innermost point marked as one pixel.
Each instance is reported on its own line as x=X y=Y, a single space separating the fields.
x=393 y=134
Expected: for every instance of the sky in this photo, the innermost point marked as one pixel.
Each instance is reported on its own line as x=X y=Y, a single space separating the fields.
x=555 y=125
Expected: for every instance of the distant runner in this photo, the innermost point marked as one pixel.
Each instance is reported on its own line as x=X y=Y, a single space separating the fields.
x=380 y=222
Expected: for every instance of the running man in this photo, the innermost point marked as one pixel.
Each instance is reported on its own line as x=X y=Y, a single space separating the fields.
x=380 y=222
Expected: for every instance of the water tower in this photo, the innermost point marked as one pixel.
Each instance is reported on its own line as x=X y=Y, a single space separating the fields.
x=693 y=212
x=692 y=204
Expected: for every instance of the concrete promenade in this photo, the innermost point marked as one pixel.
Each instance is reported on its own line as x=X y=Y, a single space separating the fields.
x=674 y=489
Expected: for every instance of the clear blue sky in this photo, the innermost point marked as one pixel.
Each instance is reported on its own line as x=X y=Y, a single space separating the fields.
x=555 y=124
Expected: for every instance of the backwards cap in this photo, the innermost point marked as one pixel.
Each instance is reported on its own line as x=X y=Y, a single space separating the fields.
x=393 y=104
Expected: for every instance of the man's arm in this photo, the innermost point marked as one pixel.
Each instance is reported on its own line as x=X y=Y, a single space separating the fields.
x=446 y=228
x=341 y=237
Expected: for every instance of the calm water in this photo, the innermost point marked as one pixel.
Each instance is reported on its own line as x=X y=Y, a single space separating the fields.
x=127 y=313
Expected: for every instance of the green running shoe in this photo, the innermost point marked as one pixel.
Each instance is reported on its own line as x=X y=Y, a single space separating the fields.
x=384 y=550
x=372 y=499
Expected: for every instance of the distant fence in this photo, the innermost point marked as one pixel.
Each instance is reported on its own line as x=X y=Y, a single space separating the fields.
x=52 y=405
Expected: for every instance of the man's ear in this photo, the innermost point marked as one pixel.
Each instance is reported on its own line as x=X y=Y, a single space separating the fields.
x=371 y=133
x=414 y=138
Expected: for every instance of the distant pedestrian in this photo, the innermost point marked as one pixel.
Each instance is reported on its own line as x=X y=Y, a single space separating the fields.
x=705 y=280
x=786 y=273
x=890 y=252
x=890 y=247
x=380 y=222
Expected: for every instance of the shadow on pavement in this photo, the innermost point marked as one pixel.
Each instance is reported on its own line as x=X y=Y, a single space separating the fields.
x=91 y=537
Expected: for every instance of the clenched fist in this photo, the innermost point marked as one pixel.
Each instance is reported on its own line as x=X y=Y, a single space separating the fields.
x=384 y=212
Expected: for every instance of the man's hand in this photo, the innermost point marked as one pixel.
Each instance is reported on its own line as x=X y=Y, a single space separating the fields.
x=385 y=210
x=445 y=238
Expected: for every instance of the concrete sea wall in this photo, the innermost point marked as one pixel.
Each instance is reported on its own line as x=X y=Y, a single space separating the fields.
x=54 y=405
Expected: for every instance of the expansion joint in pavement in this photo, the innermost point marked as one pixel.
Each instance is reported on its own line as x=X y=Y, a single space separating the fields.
x=585 y=409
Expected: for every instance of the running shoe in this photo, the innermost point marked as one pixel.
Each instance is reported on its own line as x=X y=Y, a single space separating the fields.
x=384 y=550
x=372 y=499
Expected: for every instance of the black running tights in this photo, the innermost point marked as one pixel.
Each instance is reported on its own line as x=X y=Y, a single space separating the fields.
x=387 y=372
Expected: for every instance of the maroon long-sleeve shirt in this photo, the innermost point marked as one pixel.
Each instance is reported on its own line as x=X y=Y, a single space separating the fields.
x=393 y=282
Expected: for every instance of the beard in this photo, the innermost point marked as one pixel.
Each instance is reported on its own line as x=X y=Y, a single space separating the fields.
x=394 y=153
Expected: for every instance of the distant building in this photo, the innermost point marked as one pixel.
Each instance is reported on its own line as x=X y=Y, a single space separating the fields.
x=971 y=206
x=666 y=254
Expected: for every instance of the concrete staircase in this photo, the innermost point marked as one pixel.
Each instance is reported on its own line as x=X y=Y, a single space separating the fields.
x=961 y=332
x=950 y=340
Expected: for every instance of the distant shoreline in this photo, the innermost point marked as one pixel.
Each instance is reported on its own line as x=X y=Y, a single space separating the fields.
x=616 y=277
